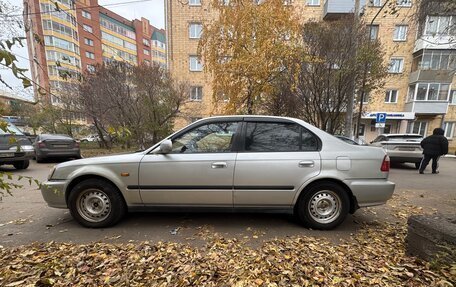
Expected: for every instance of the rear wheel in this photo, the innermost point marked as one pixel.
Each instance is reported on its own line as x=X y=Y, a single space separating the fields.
x=417 y=165
x=21 y=164
x=323 y=206
x=96 y=203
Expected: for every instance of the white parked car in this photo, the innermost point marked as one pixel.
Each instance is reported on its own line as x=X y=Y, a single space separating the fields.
x=231 y=163
x=90 y=138
x=401 y=147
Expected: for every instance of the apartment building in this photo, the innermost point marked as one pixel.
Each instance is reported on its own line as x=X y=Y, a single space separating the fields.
x=419 y=93
x=67 y=37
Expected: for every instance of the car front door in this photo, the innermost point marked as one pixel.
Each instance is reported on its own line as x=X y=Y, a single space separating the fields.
x=277 y=158
x=198 y=172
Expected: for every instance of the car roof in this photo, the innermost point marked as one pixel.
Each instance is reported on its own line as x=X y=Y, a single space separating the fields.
x=55 y=136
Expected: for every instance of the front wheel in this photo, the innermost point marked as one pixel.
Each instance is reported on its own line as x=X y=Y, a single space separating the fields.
x=96 y=203
x=323 y=206
x=21 y=164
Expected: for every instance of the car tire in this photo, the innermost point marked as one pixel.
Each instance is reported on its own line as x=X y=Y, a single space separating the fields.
x=96 y=203
x=323 y=205
x=21 y=164
x=417 y=165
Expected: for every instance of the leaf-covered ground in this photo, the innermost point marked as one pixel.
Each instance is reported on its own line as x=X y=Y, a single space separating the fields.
x=374 y=256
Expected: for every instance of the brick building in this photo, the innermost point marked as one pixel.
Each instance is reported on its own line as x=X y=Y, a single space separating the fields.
x=67 y=37
x=418 y=94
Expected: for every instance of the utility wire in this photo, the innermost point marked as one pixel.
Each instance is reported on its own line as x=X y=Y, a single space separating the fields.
x=80 y=8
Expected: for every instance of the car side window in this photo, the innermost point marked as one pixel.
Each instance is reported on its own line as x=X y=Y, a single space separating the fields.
x=209 y=138
x=278 y=137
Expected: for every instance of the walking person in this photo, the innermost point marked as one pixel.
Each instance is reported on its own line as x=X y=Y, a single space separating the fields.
x=433 y=146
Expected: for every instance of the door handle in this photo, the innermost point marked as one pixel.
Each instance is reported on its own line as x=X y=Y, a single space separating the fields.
x=218 y=165
x=306 y=163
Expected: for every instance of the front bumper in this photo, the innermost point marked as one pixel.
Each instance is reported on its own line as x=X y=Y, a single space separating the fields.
x=53 y=192
x=8 y=156
x=371 y=192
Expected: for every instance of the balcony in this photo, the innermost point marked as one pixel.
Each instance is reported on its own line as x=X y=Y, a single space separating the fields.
x=441 y=76
x=334 y=9
x=431 y=42
x=427 y=107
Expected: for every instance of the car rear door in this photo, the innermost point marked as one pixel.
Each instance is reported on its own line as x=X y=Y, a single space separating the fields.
x=198 y=172
x=276 y=159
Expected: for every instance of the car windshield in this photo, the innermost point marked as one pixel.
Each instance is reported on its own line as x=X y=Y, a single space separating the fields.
x=406 y=138
x=11 y=130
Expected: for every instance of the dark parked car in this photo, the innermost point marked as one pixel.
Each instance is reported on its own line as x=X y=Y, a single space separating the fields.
x=15 y=147
x=52 y=146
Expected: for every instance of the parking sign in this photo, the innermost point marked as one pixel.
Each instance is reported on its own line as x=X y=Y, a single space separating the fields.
x=380 y=118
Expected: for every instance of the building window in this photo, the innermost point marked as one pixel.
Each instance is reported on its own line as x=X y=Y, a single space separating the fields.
x=90 y=55
x=90 y=68
x=88 y=41
x=400 y=33
x=396 y=65
x=147 y=52
x=361 y=129
x=376 y=3
x=146 y=43
x=196 y=93
x=86 y=14
x=429 y=92
x=391 y=96
x=195 y=64
x=87 y=28
x=195 y=30
x=440 y=25
x=453 y=97
x=448 y=127
x=373 y=31
x=194 y=2
x=418 y=127
x=404 y=3
x=313 y=2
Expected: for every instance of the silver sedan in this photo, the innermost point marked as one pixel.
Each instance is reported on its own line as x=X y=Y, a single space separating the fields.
x=232 y=163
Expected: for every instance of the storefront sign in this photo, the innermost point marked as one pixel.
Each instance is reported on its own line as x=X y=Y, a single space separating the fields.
x=391 y=115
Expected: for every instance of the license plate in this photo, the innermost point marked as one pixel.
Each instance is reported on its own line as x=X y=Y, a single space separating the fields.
x=60 y=145
x=407 y=148
x=7 y=154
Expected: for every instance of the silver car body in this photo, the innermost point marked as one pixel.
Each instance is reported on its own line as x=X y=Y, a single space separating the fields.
x=269 y=181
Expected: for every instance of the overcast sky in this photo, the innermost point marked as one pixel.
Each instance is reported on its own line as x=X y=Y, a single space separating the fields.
x=150 y=9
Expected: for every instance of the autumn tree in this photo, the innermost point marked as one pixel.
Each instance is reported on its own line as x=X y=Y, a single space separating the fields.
x=135 y=103
x=246 y=48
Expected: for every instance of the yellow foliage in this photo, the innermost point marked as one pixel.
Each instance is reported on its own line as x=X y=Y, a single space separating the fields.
x=245 y=49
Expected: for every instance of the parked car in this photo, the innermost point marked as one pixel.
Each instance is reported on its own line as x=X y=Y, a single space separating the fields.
x=90 y=138
x=231 y=163
x=15 y=148
x=54 y=145
x=401 y=148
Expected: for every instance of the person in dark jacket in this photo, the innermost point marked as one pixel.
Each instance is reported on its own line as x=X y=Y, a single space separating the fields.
x=433 y=147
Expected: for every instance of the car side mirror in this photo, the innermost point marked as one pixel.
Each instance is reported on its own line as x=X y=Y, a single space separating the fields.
x=166 y=146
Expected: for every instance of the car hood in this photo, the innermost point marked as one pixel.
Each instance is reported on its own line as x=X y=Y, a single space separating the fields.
x=110 y=159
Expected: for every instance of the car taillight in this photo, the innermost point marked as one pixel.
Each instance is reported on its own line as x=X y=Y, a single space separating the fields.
x=385 y=164
x=41 y=144
x=76 y=144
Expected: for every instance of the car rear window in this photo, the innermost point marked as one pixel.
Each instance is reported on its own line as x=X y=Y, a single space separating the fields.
x=405 y=138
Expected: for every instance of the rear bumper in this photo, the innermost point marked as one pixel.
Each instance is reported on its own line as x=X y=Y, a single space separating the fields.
x=403 y=156
x=43 y=153
x=54 y=193
x=370 y=192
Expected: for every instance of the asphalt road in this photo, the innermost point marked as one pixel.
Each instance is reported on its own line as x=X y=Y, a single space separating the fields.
x=25 y=217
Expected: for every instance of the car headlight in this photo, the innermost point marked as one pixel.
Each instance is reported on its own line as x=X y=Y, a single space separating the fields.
x=51 y=173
